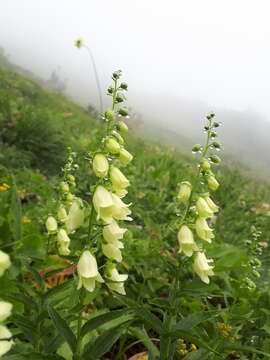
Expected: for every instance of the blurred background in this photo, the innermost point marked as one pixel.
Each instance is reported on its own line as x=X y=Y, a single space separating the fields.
x=181 y=59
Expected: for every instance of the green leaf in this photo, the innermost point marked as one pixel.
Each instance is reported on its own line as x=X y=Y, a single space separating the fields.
x=245 y=349
x=16 y=212
x=94 y=350
x=142 y=335
x=194 y=320
x=56 y=289
x=26 y=300
x=62 y=327
x=32 y=246
x=200 y=354
x=35 y=274
x=27 y=327
x=97 y=321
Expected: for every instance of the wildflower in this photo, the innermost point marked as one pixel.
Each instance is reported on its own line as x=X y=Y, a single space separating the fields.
x=5 y=340
x=112 y=145
x=203 y=208
x=205 y=165
x=186 y=241
x=51 y=224
x=124 y=156
x=26 y=220
x=212 y=182
x=193 y=347
x=121 y=210
x=64 y=187
x=100 y=165
x=4 y=262
x=184 y=191
x=203 y=230
x=88 y=271
x=103 y=204
x=4 y=187
x=122 y=127
x=113 y=275
x=5 y=310
x=113 y=232
x=75 y=216
x=202 y=268
x=118 y=179
x=78 y=43
x=112 y=251
x=211 y=204
x=62 y=214
x=63 y=242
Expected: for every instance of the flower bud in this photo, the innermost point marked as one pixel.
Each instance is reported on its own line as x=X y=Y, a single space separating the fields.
x=112 y=145
x=202 y=268
x=62 y=214
x=4 y=262
x=112 y=232
x=124 y=156
x=64 y=187
x=123 y=112
x=119 y=98
x=212 y=183
x=203 y=230
x=117 y=279
x=5 y=340
x=203 y=209
x=122 y=127
x=124 y=85
x=51 y=224
x=184 y=191
x=205 y=165
x=116 y=75
x=196 y=148
x=103 y=204
x=216 y=124
x=213 y=135
x=109 y=115
x=69 y=197
x=110 y=90
x=215 y=159
x=63 y=242
x=216 y=145
x=88 y=271
x=186 y=241
x=5 y=310
x=118 y=179
x=100 y=165
x=78 y=43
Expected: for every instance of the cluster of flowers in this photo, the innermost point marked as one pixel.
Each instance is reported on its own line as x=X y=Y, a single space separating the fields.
x=200 y=207
x=5 y=310
x=107 y=201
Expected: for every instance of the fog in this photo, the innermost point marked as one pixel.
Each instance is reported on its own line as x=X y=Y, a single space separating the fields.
x=181 y=59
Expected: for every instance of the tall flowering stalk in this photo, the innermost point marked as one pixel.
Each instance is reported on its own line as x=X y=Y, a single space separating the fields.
x=193 y=227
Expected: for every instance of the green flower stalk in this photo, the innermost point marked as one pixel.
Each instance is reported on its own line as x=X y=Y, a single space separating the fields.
x=198 y=206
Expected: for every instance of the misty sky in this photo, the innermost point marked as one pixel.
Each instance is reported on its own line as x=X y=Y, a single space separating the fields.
x=214 y=51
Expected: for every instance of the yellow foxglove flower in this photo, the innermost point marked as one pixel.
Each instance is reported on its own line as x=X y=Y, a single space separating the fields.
x=5 y=310
x=211 y=204
x=112 y=145
x=63 y=242
x=4 y=262
x=100 y=165
x=88 y=271
x=121 y=210
x=5 y=340
x=184 y=191
x=62 y=214
x=118 y=179
x=212 y=182
x=112 y=251
x=203 y=230
x=120 y=192
x=103 y=204
x=113 y=232
x=118 y=279
x=203 y=209
x=75 y=217
x=186 y=241
x=117 y=287
x=51 y=224
x=202 y=268
x=124 y=156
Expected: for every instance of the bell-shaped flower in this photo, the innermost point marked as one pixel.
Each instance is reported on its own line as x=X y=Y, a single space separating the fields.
x=211 y=204
x=121 y=210
x=186 y=241
x=112 y=250
x=103 y=204
x=120 y=192
x=5 y=310
x=202 y=268
x=62 y=214
x=51 y=224
x=75 y=217
x=100 y=165
x=4 y=262
x=117 y=279
x=124 y=156
x=112 y=145
x=88 y=271
x=184 y=191
x=203 y=208
x=63 y=242
x=118 y=179
x=113 y=232
x=212 y=182
x=5 y=340
x=203 y=230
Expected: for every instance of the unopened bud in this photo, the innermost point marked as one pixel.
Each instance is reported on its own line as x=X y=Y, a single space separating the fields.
x=119 y=138
x=69 y=197
x=64 y=187
x=123 y=112
x=215 y=159
x=113 y=146
x=216 y=145
x=122 y=127
x=216 y=124
x=109 y=115
x=213 y=134
x=184 y=191
x=71 y=179
x=51 y=224
x=110 y=90
x=124 y=156
x=196 y=148
x=116 y=75
x=124 y=86
x=119 y=98
x=205 y=165
x=212 y=182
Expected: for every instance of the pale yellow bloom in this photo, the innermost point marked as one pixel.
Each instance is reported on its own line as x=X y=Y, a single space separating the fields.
x=5 y=310
x=4 y=262
x=100 y=165
x=88 y=271
x=113 y=232
x=212 y=182
x=124 y=156
x=202 y=268
x=184 y=191
x=51 y=224
x=103 y=204
x=203 y=230
x=118 y=179
x=75 y=217
x=5 y=340
x=203 y=208
x=186 y=241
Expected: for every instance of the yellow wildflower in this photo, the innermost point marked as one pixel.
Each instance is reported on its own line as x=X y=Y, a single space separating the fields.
x=4 y=187
x=193 y=347
x=26 y=220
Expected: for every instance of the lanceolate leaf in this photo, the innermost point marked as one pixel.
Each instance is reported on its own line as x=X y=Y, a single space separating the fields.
x=16 y=213
x=194 y=320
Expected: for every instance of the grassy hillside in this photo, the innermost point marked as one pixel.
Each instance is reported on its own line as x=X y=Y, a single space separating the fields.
x=36 y=127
